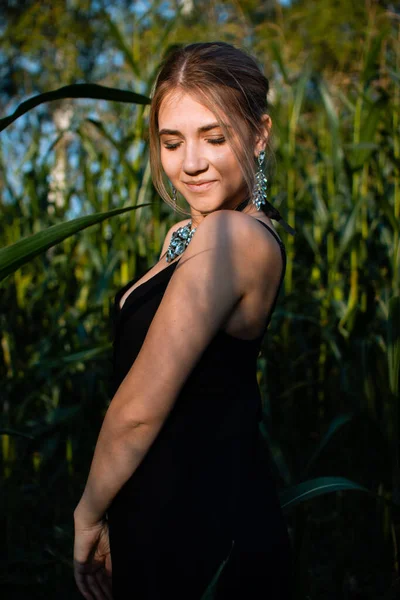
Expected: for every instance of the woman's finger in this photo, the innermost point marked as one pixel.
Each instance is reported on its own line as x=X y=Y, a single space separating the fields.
x=80 y=579
x=105 y=583
x=95 y=587
x=87 y=582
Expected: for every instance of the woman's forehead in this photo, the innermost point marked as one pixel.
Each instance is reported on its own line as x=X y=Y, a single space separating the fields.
x=181 y=109
x=177 y=99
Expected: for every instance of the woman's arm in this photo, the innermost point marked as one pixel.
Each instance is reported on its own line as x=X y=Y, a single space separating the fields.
x=214 y=273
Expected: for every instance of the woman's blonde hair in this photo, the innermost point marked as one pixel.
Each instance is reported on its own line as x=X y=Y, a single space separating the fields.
x=230 y=84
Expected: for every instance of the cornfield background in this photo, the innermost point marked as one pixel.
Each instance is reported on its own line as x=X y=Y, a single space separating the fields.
x=80 y=218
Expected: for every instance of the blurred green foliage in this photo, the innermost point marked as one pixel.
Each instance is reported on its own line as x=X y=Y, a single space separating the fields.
x=329 y=370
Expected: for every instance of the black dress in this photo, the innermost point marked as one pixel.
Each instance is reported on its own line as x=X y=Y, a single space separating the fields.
x=201 y=493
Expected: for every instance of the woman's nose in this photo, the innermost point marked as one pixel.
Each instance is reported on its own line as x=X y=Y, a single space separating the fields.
x=193 y=160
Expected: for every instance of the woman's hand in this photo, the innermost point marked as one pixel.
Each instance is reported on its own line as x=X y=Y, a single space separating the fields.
x=92 y=559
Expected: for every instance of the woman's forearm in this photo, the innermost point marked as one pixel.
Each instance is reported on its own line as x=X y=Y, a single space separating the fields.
x=120 y=448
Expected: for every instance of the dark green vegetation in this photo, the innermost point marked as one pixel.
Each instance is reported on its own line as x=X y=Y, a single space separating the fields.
x=329 y=370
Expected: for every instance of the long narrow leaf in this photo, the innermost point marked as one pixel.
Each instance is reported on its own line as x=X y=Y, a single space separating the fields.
x=14 y=256
x=336 y=424
x=121 y=44
x=75 y=90
x=16 y=433
x=210 y=591
x=276 y=455
x=333 y=119
x=360 y=152
x=316 y=487
x=347 y=234
x=82 y=356
x=388 y=210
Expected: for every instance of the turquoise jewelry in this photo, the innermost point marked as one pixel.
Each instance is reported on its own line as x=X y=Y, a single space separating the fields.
x=179 y=241
x=259 y=196
x=182 y=236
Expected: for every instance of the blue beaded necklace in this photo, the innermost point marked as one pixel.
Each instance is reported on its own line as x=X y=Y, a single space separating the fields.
x=182 y=236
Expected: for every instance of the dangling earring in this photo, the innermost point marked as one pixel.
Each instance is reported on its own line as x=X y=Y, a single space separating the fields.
x=174 y=195
x=260 y=187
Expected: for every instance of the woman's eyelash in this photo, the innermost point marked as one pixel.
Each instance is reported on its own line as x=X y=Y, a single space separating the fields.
x=174 y=146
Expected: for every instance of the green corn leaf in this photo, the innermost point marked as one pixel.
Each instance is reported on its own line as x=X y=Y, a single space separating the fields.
x=276 y=455
x=121 y=44
x=388 y=210
x=15 y=255
x=210 y=591
x=306 y=490
x=321 y=210
x=116 y=144
x=298 y=97
x=5 y=431
x=348 y=233
x=333 y=119
x=276 y=50
x=371 y=62
x=76 y=90
x=308 y=236
x=336 y=424
x=362 y=151
x=52 y=421
x=76 y=357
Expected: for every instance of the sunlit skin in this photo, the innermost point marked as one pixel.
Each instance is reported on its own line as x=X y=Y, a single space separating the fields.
x=192 y=155
x=127 y=433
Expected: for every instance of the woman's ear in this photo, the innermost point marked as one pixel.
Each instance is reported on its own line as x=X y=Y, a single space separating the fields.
x=261 y=142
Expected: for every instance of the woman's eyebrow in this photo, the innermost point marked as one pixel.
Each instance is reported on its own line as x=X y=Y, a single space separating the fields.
x=199 y=130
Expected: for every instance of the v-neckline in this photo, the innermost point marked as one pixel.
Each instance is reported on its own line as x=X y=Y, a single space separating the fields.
x=132 y=282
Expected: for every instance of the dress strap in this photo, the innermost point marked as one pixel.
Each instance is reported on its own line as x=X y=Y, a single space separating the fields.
x=283 y=252
x=281 y=244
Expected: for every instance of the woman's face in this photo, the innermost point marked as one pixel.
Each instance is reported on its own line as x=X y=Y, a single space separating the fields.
x=193 y=150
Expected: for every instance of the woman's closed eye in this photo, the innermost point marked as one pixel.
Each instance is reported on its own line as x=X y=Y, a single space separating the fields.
x=211 y=141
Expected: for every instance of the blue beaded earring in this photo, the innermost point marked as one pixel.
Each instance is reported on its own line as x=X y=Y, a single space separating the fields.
x=259 y=196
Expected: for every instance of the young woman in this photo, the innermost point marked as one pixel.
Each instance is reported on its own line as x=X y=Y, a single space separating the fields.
x=176 y=485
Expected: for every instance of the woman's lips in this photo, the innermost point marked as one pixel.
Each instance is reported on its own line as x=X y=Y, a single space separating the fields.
x=199 y=188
